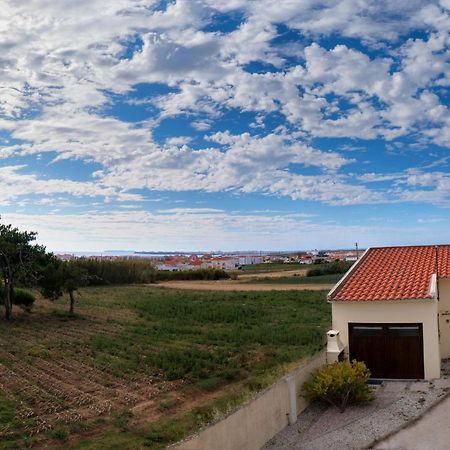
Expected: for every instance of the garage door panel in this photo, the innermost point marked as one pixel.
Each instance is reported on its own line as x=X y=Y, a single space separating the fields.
x=389 y=350
x=369 y=339
x=405 y=343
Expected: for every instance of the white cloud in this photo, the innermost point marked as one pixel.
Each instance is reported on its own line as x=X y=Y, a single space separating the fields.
x=201 y=125
x=244 y=164
x=62 y=63
x=178 y=140
x=414 y=185
x=193 y=230
x=373 y=22
x=15 y=185
x=79 y=136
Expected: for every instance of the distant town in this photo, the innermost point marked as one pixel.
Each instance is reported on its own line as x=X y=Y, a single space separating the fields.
x=226 y=261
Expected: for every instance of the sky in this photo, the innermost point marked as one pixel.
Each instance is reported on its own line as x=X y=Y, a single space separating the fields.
x=225 y=125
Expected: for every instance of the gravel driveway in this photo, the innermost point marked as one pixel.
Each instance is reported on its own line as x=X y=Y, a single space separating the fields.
x=321 y=427
x=430 y=432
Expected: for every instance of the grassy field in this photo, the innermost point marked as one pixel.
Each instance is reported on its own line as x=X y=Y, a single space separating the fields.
x=140 y=367
x=278 y=267
x=270 y=267
x=320 y=279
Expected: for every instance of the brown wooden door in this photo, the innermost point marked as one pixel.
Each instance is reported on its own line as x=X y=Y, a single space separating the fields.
x=389 y=350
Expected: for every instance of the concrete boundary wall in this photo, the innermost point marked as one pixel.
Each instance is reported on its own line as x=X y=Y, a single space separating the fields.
x=261 y=418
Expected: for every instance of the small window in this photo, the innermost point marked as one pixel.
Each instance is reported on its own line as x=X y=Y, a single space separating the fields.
x=367 y=330
x=412 y=330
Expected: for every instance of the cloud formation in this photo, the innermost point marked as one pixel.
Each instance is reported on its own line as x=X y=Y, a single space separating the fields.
x=244 y=97
x=192 y=230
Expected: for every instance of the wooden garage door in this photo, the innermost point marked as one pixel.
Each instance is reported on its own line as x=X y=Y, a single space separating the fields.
x=389 y=350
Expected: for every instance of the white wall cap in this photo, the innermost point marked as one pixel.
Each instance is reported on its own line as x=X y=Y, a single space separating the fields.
x=433 y=286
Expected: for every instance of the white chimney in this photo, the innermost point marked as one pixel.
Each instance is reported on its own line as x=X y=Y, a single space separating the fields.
x=334 y=346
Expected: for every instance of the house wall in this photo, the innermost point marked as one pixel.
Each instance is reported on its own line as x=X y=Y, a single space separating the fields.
x=402 y=311
x=444 y=317
x=247 y=260
x=225 y=263
x=166 y=267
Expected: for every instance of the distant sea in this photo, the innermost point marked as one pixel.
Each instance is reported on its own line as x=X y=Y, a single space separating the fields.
x=117 y=253
x=145 y=254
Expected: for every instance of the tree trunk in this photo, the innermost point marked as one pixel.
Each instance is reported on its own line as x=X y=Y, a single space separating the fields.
x=8 y=300
x=72 y=303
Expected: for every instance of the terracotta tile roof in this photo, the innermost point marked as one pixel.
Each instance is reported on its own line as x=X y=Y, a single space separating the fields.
x=393 y=273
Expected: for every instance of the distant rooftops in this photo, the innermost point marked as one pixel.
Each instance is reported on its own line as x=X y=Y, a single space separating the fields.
x=394 y=273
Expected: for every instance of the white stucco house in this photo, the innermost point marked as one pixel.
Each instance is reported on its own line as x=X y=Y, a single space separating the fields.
x=248 y=260
x=225 y=263
x=392 y=311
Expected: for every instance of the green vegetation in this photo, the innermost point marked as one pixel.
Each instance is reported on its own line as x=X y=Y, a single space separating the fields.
x=20 y=297
x=20 y=260
x=320 y=279
x=24 y=299
x=102 y=272
x=270 y=267
x=59 y=277
x=145 y=366
x=316 y=269
x=203 y=336
x=10 y=427
x=137 y=365
x=340 y=384
x=335 y=267
x=199 y=274
x=116 y=271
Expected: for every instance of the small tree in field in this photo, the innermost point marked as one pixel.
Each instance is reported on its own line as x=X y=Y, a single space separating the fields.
x=19 y=258
x=61 y=277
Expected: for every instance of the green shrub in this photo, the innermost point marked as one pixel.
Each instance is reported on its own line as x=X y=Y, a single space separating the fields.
x=116 y=271
x=198 y=274
x=340 y=384
x=330 y=268
x=24 y=299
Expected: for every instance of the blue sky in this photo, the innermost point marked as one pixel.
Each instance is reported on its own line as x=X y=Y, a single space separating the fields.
x=208 y=125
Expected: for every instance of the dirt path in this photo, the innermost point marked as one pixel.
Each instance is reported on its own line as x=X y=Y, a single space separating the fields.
x=232 y=285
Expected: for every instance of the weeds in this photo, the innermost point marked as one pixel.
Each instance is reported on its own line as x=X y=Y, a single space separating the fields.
x=61 y=433
x=121 y=418
x=134 y=343
x=200 y=336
